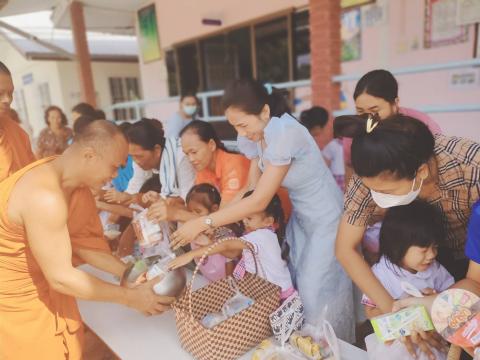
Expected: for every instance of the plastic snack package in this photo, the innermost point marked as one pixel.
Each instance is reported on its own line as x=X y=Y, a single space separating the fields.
x=237 y=302
x=148 y=233
x=213 y=319
x=456 y=316
x=317 y=341
x=401 y=323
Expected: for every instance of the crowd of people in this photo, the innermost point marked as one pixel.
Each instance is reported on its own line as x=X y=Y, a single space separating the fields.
x=389 y=199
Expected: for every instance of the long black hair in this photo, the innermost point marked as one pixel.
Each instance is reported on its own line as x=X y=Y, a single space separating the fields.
x=275 y=210
x=399 y=144
x=416 y=224
x=251 y=96
x=378 y=83
x=147 y=133
x=205 y=131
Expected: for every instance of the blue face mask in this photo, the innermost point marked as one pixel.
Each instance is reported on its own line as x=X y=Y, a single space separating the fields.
x=189 y=109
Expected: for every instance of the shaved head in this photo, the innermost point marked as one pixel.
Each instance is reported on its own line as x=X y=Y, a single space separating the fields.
x=100 y=134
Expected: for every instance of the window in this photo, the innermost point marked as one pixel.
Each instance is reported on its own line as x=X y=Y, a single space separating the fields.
x=171 y=73
x=121 y=90
x=301 y=45
x=271 y=44
x=44 y=96
x=188 y=68
x=224 y=58
x=20 y=105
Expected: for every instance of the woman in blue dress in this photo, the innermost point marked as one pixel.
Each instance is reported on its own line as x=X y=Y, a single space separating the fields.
x=284 y=154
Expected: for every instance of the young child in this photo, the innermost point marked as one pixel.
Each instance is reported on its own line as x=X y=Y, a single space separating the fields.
x=409 y=239
x=315 y=119
x=203 y=199
x=264 y=231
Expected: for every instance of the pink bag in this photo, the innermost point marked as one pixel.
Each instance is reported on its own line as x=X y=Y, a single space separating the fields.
x=213 y=267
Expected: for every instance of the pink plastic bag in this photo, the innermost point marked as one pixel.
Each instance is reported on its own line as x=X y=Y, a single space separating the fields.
x=213 y=268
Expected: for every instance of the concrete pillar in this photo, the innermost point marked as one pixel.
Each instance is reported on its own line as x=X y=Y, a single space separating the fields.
x=83 y=54
x=325 y=47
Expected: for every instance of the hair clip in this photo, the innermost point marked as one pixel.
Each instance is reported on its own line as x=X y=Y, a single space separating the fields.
x=269 y=88
x=371 y=125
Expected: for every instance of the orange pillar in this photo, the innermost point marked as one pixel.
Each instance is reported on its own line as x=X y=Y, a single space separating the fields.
x=83 y=54
x=325 y=48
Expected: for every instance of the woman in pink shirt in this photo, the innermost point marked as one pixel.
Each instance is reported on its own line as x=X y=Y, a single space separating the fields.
x=377 y=92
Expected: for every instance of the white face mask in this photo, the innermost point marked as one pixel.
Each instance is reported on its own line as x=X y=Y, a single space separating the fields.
x=189 y=109
x=389 y=200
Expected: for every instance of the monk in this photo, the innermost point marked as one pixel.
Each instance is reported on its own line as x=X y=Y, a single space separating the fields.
x=89 y=244
x=15 y=149
x=39 y=317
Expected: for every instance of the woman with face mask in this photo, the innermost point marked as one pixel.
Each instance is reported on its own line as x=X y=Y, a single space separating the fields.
x=183 y=117
x=282 y=152
x=395 y=161
x=377 y=93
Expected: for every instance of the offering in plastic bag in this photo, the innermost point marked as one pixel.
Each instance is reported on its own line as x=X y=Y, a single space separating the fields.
x=268 y=350
x=213 y=319
x=237 y=302
x=401 y=323
x=456 y=316
x=317 y=341
x=148 y=233
x=234 y=305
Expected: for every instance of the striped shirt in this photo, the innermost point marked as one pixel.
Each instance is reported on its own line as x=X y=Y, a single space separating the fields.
x=457 y=176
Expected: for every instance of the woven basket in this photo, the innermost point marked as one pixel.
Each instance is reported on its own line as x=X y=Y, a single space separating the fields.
x=236 y=335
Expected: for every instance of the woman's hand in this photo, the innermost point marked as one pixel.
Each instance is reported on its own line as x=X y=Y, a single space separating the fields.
x=425 y=341
x=188 y=232
x=114 y=196
x=150 y=197
x=180 y=261
x=158 y=211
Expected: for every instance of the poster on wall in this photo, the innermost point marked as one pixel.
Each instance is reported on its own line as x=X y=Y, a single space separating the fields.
x=345 y=4
x=440 y=24
x=351 y=33
x=148 y=33
x=374 y=14
x=468 y=12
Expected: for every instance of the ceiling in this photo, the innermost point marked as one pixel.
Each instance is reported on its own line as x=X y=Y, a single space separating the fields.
x=111 y=16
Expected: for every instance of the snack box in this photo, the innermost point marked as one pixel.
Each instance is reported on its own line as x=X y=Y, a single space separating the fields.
x=401 y=323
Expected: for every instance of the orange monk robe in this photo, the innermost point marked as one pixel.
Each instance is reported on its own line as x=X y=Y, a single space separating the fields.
x=37 y=322
x=15 y=148
x=84 y=225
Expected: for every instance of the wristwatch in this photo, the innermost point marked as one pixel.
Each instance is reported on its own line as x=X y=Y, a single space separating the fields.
x=209 y=222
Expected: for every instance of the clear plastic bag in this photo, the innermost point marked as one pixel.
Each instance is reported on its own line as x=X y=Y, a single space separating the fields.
x=318 y=340
x=148 y=233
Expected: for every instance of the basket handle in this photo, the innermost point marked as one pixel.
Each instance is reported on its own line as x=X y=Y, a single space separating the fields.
x=205 y=255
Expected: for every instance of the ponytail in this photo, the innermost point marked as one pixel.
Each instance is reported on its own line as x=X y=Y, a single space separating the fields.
x=399 y=144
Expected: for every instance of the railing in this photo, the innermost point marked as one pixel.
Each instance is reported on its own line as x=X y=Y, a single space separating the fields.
x=292 y=85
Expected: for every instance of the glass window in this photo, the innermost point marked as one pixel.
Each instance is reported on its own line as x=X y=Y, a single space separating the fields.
x=171 y=73
x=226 y=57
x=271 y=44
x=301 y=45
x=121 y=90
x=188 y=68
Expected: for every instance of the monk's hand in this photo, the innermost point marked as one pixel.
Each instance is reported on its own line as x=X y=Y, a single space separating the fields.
x=150 y=197
x=158 y=211
x=144 y=299
x=188 y=232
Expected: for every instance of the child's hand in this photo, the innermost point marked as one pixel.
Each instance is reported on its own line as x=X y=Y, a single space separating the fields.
x=180 y=261
x=150 y=197
x=428 y=291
